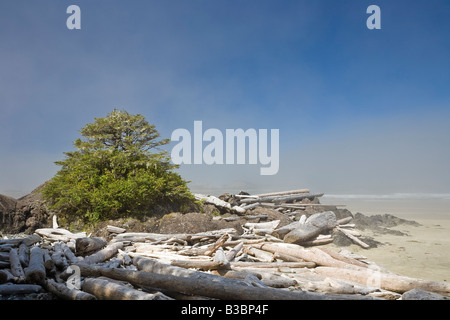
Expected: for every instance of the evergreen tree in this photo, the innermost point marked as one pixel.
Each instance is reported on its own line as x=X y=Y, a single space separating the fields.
x=115 y=172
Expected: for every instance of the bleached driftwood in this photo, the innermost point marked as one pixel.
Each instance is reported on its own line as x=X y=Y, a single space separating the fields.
x=103 y=289
x=104 y=254
x=218 y=202
x=313 y=254
x=15 y=265
x=222 y=288
x=113 y=229
x=353 y=238
x=391 y=282
x=35 y=272
x=285 y=198
x=10 y=288
x=58 y=234
x=63 y=292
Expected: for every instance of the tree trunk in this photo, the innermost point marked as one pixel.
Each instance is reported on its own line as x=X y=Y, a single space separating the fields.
x=104 y=254
x=314 y=254
x=221 y=288
x=15 y=266
x=63 y=292
x=35 y=273
x=107 y=290
x=10 y=288
x=391 y=282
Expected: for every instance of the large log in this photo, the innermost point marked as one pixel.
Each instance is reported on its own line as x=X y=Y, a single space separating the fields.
x=281 y=193
x=15 y=265
x=222 y=288
x=286 y=198
x=103 y=289
x=9 y=288
x=6 y=276
x=104 y=254
x=353 y=238
x=86 y=246
x=314 y=254
x=63 y=292
x=316 y=224
x=35 y=272
x=391 y=282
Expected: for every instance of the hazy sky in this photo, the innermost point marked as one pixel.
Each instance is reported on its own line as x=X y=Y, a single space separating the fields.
x=359 y=111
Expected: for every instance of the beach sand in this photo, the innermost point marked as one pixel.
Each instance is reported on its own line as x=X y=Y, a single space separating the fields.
x=424 y=252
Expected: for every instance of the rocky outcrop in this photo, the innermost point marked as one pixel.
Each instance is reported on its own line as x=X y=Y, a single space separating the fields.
x=23 y=215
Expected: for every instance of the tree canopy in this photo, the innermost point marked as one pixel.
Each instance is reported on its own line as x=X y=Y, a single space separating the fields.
x=117 y=170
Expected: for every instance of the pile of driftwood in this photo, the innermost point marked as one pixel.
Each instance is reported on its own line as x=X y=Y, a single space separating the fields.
x=221 y=264
x=316 y=229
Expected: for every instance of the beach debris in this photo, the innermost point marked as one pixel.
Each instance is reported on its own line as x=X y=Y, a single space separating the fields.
x=276 y=253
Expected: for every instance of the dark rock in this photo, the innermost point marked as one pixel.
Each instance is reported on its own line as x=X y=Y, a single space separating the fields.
x=381 y=223
x=25 y=214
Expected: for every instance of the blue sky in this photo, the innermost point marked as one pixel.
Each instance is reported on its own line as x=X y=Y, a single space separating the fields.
x=359 y=111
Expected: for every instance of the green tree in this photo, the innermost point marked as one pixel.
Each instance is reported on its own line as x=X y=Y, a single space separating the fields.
x=115 y=172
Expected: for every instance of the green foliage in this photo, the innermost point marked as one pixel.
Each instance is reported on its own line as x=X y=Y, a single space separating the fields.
x=114 y=173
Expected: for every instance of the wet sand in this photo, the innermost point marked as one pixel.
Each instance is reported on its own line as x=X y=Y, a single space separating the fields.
x=424 y=253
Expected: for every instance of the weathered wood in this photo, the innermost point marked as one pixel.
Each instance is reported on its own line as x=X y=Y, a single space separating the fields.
x=247 y=264
x=234 y=251
x=313 y=254
x=58 y=256
x=260 y=254
x=70 y=256
x=103 y=289
x=343 y=258
x=31 y=239
x=219 y=243
x=35 y=272
x=316 y=224
x=10 y=288
x=104 y=254
x=353 y=238
x=113 y=229
x=15 y=265
x=63 y=292
x=391 y=282
x=87 y=246
x=221 y=258
x=6 y=276
x=281 y=232
x=285 y=198
x=24 y=254
x=222 y=288
x=198 y=264
x=48 y=261
x=280 y=193
x=58 y=234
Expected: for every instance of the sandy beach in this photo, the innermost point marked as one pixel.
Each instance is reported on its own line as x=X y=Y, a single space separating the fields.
x=424 y=252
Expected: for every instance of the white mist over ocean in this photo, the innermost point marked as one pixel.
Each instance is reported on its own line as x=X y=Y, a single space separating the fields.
x=406 y=205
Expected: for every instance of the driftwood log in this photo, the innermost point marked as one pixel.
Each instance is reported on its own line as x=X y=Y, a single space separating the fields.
x=63 y=292
x=35 y=272
x=391 y=282
x=15 y=265
x=87 y=246
x=104 y=254
x=222 y=288
x=103 y=289
x=316 y=224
